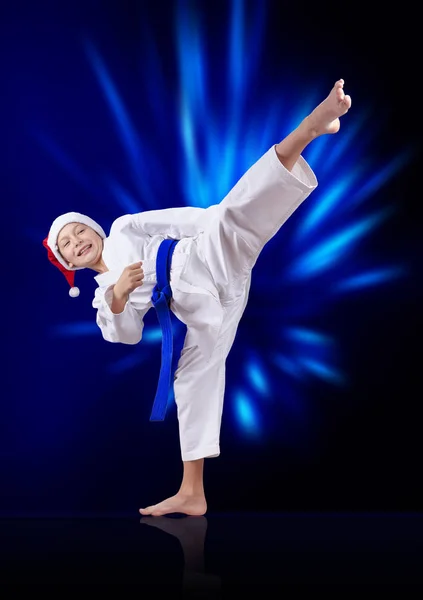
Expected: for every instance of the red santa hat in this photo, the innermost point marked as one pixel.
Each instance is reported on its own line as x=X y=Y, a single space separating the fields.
x=54 y=256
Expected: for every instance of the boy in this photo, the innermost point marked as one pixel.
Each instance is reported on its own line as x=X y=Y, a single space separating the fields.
x=210 y=277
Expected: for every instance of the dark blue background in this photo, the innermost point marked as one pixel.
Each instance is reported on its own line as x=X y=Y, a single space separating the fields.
x=75 y=435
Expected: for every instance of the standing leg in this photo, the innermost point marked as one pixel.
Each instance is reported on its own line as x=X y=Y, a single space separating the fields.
x=199 y=394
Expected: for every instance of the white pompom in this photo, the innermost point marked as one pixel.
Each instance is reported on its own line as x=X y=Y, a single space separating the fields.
x=74 y=292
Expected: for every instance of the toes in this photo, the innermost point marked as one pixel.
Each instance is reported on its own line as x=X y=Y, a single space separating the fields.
x=347 y=101
x=147 y=511
x=340 y=95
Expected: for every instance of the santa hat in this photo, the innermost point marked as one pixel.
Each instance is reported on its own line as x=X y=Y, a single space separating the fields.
x=54 y=256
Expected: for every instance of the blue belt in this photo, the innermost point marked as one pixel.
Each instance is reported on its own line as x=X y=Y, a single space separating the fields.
x=161 y=297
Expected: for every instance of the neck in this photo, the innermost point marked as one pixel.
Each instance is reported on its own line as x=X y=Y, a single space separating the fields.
x=100 y=267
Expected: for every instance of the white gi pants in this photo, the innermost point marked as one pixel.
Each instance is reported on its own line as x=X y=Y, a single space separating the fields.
x=248 y=217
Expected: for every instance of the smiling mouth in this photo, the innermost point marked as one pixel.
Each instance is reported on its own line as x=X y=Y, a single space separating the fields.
x=84 y=250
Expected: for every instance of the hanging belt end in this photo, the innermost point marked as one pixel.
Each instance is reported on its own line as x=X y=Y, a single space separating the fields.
x=157 y=416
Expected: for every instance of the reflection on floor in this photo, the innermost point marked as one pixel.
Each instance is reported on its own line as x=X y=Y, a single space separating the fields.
x=213 y=556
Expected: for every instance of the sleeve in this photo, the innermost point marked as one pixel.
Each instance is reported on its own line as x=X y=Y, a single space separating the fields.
x=174 y=223
x=125 y=327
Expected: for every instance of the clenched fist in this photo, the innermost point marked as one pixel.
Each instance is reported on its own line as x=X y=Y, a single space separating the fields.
x=130 y=279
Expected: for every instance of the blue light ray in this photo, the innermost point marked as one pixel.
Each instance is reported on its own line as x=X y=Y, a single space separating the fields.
x=196 y=189
x=370 y=279
x=243 y=53
x=308 y=336
x=126 y=130
x=125 y=200
x=331 y=197
x=261 y=134
x=314 y=152
x=343 y=142
x=302 y=109
x=229 y=152
x=237 y=57
x=191 y=61
x=265 y=130
x=382 y=177
x=288 y=365
x=323 y=371
x=152 y=336
x=257 y=377
x=333 y=249
x=236 y=86
x=192 y=103
x=246 y=414
x=152 y=72
x=67 y=163
x=254 y=36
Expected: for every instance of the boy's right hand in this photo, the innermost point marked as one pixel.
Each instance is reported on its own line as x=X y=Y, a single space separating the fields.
x=130 y=279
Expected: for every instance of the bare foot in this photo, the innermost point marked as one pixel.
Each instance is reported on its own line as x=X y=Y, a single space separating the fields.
x=325 y=117
x=180 y=503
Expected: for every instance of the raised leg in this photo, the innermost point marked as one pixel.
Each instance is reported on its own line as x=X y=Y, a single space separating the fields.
x=265 y=197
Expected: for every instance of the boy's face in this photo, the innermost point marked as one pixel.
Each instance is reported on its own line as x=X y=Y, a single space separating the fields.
x=79 y=245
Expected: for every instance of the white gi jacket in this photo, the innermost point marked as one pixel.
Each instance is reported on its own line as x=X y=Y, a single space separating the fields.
x=195 y=299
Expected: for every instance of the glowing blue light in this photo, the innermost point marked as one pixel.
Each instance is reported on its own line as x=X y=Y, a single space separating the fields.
x=192 y=102
x=370 y=278
x=257 y=377
x=152 y=335
x=237 y=62
x=288 y=365
x=303 y=108
x=66 y=162
x=126 y=201
x=343 y=142
x=335 y=194
x=323 y=371
x=307 y=336
x=245 y=413
x=382 y=176
x=191 y=61
x=129 y=137
x=330 y=251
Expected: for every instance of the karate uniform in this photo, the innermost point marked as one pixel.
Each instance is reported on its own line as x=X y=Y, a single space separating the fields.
x=210 y=279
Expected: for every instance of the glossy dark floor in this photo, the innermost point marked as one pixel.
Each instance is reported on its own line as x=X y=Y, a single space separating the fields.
x=215 y=555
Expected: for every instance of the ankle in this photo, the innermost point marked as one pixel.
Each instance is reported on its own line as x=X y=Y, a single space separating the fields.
x=191 y=490
x=310 y=129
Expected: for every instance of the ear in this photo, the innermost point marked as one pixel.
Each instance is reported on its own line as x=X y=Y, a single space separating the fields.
x=70 y=265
